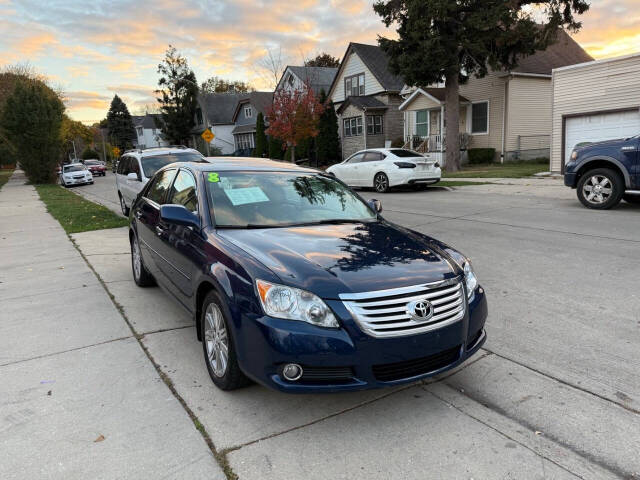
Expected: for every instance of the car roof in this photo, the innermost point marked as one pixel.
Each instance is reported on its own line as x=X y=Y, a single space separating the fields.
x=219 y=164
x=74 y=164
x=160 y=151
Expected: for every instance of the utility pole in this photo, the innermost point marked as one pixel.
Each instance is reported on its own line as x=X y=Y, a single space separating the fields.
x=74 y=150
x=104 y=152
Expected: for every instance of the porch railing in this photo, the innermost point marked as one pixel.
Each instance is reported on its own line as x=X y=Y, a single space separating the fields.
x=431 y=143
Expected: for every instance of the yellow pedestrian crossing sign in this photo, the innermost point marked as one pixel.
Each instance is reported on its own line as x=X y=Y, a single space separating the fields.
x=208 y=135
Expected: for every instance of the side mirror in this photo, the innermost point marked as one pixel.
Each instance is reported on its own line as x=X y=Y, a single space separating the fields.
x=376 y=205
x=179 y=215
x=133 y=176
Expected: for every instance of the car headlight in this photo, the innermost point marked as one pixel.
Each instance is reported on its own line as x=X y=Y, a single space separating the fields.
x=574 y=155
x=291 y=303
x=470 y=278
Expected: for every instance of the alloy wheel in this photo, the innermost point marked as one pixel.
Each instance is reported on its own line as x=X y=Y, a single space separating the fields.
x=137 y=262
x=216 y=340
x=381 y=183
x=597 y=189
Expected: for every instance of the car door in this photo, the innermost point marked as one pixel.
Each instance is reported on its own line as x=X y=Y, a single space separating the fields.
x=132 y=186
x=182 y=247
x=121 y=175
x=372 y=163
x=147 y=215
x=630 y=156
x=350 y=169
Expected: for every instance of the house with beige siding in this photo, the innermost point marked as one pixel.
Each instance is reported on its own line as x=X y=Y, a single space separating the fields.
x=509 y=111
x=366 y=96
x=592 y=102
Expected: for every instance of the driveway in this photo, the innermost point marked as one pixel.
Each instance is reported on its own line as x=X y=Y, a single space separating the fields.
x=554 y=394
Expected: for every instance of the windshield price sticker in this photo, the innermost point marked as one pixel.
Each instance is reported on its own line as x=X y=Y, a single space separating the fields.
x=213 y=177
x=243 y=196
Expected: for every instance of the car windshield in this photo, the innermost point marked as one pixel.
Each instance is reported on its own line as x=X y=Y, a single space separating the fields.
x=280 y=199
x=150 y=165
x=405 y=153
x=91 y=162
x=73 y=168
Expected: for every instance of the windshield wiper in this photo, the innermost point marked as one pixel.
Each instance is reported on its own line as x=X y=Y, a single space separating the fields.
x=334 y=221
x=249 y=225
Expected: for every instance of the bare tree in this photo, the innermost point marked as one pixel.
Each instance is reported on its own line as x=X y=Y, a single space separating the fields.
x=272 y=66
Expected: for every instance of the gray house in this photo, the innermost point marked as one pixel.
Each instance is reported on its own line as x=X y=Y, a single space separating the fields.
x=219 y=108
x=244 y=118
x=317 y=78
x=366 y=96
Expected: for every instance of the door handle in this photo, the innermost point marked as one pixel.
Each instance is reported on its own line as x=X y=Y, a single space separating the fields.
x=159 y=230
x=138 y=214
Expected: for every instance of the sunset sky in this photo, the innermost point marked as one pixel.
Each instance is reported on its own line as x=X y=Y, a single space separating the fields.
x=95 y=49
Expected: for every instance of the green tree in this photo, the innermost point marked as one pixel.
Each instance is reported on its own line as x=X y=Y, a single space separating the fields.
x=178 y=90
x=328 y=140
x=120 y=124
x=450 y=40
x=261 y=148
x=89 y=153
x=220 y=85
x=31 y=119
x=323 y=60
x=275 y=148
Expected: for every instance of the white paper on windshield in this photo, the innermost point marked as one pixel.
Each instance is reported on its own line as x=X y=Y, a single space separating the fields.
x=243 y=196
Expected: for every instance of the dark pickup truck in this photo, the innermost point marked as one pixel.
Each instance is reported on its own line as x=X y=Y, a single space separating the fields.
x=604 y=173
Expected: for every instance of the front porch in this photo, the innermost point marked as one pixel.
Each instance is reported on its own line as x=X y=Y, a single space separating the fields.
x=425 y=125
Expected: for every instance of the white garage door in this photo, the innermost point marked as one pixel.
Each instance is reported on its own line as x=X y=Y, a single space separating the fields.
x=595 y=128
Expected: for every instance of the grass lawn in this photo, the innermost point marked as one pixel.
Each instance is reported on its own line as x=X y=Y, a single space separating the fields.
x=76 y=214
x=4 y=176
x=497 y=170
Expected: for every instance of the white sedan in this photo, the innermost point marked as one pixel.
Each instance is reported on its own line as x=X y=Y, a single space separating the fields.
x=75 y=174
x=383 y=168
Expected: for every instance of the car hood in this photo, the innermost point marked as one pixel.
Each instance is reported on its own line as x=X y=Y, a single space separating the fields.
x=345 y=258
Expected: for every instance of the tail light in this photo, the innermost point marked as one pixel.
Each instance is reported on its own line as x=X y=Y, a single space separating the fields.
x=405 y=164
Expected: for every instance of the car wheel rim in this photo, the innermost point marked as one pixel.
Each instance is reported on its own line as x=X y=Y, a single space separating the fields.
x=381 y=183
x=137 y=262
x=216 y=340
x=597 y=189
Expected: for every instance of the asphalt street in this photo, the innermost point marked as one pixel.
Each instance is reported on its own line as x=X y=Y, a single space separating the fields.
x=554 y=394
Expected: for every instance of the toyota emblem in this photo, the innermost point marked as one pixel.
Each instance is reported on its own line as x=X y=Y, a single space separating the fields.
x=420 y=310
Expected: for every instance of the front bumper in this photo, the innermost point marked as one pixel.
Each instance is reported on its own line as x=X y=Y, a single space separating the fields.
x=351 y=359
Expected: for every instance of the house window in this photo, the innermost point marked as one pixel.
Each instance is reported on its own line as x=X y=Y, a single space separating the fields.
x=139 y=131
x=480 y=118
x=354 y=85
x=245 y=141
x=248 y=111
x=290 y=79
x=422 y=123
x=374 y=124
x=352 y=126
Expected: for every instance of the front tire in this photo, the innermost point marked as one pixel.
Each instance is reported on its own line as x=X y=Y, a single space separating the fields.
x=633 y=199
x=218 y=346
x=381 y=183
x=141 y=275
x=123 y=206
x=600 y=189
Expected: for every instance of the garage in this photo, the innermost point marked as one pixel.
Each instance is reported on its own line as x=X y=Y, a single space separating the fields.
x=596 y=128
x=592 y=102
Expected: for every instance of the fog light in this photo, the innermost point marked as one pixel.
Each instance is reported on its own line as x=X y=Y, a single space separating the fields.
x=292 y=372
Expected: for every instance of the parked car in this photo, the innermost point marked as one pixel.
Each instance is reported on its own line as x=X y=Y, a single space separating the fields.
x=96 y=167
x=604 y=173
x=136 y=167
x=296 y=282
x=383 y=168
x=75 y=174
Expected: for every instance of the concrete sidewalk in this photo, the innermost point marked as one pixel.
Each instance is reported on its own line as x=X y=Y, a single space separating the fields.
x=79 y=398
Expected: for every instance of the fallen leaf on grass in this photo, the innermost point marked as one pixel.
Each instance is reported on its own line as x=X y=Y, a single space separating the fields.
x=99 y=439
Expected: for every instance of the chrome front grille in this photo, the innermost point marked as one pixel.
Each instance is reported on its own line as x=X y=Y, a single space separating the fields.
x=385 y=313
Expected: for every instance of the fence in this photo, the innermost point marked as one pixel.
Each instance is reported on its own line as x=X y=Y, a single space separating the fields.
x=530 y=147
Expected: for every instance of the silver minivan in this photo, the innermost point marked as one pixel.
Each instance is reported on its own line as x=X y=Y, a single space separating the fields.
x=136 y=167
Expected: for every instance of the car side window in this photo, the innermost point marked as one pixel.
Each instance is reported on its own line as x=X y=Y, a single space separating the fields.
x=159 y=186
x=373 y=157
x=357 y=158
x=125 y=162
x=134 y=166
x=183 y=191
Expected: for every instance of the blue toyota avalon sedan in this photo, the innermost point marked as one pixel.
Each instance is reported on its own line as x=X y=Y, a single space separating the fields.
x=296 y=282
